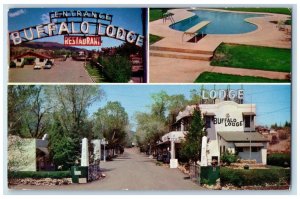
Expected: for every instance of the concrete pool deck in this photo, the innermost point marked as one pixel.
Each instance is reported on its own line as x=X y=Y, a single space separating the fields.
x=164 y=52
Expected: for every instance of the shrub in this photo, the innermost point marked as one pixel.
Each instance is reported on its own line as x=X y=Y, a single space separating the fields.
x=274 y=140
x=39 y=174
x=28 y=60
x=257 y=177
x=279 y=159
x=283 y=135
x=12 y=64
x=229 y=158
x=116 y=68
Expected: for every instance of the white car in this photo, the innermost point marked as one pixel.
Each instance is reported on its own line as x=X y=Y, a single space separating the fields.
x=48 y=65
x=37 y=67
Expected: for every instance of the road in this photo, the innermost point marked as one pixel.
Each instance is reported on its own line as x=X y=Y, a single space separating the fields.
x=68 y=71
x=131 y=171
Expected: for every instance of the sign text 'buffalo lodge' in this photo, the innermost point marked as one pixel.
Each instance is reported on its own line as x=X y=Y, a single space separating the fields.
x=73 y=27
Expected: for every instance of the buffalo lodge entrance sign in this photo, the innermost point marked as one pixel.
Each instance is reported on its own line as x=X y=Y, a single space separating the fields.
x=84 y=23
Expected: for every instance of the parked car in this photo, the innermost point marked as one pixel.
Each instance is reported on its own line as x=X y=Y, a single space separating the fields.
x=166 y=157
x=37 y=67
x=48 y=64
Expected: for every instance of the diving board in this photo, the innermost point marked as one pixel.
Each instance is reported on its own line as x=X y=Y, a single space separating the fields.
x=193 y=30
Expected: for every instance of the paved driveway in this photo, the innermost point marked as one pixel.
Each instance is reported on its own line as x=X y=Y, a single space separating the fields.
x=68 y=71
x=131 y=171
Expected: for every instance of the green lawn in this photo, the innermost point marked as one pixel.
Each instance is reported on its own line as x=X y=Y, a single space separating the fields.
x=268 y=10
x=95 y=73
x=253 y=57
x=208 y=77
x=154 y=38
x=156 y=13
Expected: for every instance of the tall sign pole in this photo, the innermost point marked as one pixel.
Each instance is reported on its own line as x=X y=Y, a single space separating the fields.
x=104 y=155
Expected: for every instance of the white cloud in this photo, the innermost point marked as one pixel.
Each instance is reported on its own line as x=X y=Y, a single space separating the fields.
x=45 y=18
x=16 y=13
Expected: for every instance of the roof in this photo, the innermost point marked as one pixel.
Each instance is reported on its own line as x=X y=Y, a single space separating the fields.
x=44 y=150
x=176 y=135
x=247 y=144
x=249 y=113
x=30 y=53
x=41 y=143
x=239 y=136
x=209 y=114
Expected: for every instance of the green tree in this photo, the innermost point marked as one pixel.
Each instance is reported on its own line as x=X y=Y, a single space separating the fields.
x=191 y=147
x=62 y=147
x=175 y=104
x=229 y=157
x=26 y=111
x=70 y=104
x=116 y=68
x=127 y=49
x=159 y=105
x=150 y=128
x=111 y=122
x=287 y=124
x=35 y=120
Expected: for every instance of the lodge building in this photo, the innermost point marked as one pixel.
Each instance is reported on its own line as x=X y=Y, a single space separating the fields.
x=31 y=58
x=230 y=126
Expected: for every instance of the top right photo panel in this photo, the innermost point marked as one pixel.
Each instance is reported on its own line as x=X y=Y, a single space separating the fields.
x=220 y=45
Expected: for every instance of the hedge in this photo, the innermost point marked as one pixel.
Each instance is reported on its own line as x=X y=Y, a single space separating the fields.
x=12 y=64
x=252 y=177
x=279 y=159
x=39 y=174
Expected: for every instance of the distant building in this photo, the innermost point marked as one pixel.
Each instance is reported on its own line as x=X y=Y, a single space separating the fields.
x=262 y=130
x=230 y=126
x=31 y=58
x=137 y=68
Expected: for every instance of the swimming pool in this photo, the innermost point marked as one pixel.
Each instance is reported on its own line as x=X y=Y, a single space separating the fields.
x=220 y=22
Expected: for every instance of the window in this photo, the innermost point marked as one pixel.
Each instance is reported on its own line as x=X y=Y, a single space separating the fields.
x=207 y=122
x=239 y=149
x=247 y=121
x=42 y=60
x=254 y=149
x=19 y=60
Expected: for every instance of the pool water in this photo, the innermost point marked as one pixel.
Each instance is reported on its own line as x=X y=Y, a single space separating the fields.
x=220 y=22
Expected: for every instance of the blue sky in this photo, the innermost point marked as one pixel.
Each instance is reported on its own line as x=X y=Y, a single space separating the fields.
x=273 y=102
x=127 y=18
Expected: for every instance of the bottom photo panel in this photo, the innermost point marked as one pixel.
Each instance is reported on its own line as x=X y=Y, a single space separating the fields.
x=149 y=137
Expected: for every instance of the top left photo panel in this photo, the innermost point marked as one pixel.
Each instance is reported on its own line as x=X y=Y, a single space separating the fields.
x=77 y=45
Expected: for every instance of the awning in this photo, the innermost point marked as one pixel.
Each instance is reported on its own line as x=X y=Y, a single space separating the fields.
x=245 y=144
x=241 y=137
x=177 y=136
x=44 y=150
x=249 y=113
x=209 y=114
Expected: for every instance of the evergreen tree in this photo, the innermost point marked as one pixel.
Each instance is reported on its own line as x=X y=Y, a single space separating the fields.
x=191 y=148
x=62 y=147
